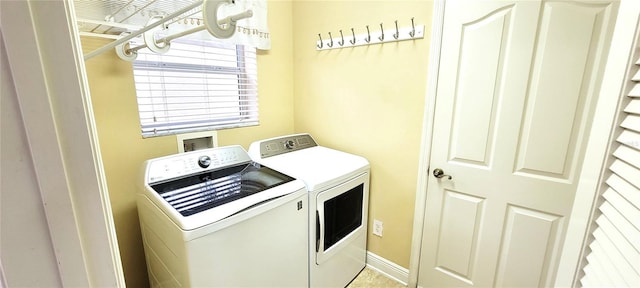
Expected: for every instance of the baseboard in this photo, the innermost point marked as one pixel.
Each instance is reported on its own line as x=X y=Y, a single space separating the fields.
x=388 y=268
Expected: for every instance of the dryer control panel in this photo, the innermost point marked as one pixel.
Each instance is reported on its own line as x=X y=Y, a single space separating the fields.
x=277 y=146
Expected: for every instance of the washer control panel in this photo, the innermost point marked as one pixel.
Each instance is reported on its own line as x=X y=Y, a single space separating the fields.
x=179 y=165
x=277 y=146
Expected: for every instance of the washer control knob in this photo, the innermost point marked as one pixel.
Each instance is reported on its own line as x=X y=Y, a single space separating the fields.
x=289 y=144
x=204 y=161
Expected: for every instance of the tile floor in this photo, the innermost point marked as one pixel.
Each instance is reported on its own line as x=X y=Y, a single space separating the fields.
x=370 y=278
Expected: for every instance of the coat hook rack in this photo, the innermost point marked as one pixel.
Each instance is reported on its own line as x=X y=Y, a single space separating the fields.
x=371 y=37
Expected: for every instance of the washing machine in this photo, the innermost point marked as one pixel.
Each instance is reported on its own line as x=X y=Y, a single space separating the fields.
x=214 y=218
x=338 y=185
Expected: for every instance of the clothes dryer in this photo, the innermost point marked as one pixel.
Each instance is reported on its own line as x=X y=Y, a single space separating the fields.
x=338 y=185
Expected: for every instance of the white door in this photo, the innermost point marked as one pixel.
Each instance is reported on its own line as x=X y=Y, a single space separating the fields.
x=517 y=85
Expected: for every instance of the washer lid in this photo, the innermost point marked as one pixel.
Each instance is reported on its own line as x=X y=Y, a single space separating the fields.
x=208 y=190
x=318 y=166
x=205 y=186
x=212 y=213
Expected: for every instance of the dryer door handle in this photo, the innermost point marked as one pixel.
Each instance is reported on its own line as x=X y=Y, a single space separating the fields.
x=317 y=231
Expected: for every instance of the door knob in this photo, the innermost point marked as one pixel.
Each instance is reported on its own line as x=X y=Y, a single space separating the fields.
x=439 y=173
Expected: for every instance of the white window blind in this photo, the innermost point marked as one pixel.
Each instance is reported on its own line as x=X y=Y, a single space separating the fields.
x=197 y=85
x=614 y=260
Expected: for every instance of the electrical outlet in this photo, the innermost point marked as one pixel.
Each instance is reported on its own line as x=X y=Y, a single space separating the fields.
x=377 y=227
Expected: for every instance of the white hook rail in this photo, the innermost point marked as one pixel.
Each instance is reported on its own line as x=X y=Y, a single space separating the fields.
x=372 y=36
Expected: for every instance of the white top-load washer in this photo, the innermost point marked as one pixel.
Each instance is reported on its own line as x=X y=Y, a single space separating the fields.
x=338 y=185
x=214 y=218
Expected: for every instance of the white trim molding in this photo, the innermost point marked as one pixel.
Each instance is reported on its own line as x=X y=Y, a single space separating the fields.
x=425 y=146
x=387 y=268
x=43 y=49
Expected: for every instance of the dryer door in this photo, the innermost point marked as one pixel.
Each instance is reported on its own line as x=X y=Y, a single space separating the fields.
x=341 y=217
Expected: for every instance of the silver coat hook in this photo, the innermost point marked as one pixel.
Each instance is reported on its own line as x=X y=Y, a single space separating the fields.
x=368 y=39
x=331 y=43
x=381 y=33
x=321 y=44
x=341 y=42
x=395 y=35
x=413 y=29
x=353 y=42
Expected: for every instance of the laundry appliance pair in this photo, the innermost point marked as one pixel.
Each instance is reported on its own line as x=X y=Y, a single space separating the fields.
x=294 y=214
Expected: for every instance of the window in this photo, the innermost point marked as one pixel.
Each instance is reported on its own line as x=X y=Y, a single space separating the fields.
x=197 y=85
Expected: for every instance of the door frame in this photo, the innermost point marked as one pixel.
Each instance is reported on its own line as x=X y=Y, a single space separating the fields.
x=45 y=59
x=425 y=141
x=576 y=239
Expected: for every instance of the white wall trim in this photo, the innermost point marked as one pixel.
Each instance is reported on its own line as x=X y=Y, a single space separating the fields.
x=388 y=268
x=42 y=45
x=40 y=125
x=425 y=146
x=603 y=128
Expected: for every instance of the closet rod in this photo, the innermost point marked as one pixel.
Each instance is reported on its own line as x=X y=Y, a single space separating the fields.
x=166 y=40
x=145 y=29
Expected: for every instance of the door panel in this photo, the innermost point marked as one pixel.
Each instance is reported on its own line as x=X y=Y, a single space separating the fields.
x=548 y=144
x=516 y=89
x=475 y=92
x=527 y=243
x=458 y=241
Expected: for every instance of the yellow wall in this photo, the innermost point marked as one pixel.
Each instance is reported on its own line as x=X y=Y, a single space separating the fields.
x=123 y=149
x=367 y=100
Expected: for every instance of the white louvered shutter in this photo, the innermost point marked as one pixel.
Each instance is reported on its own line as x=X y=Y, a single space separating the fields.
x=614 y=260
